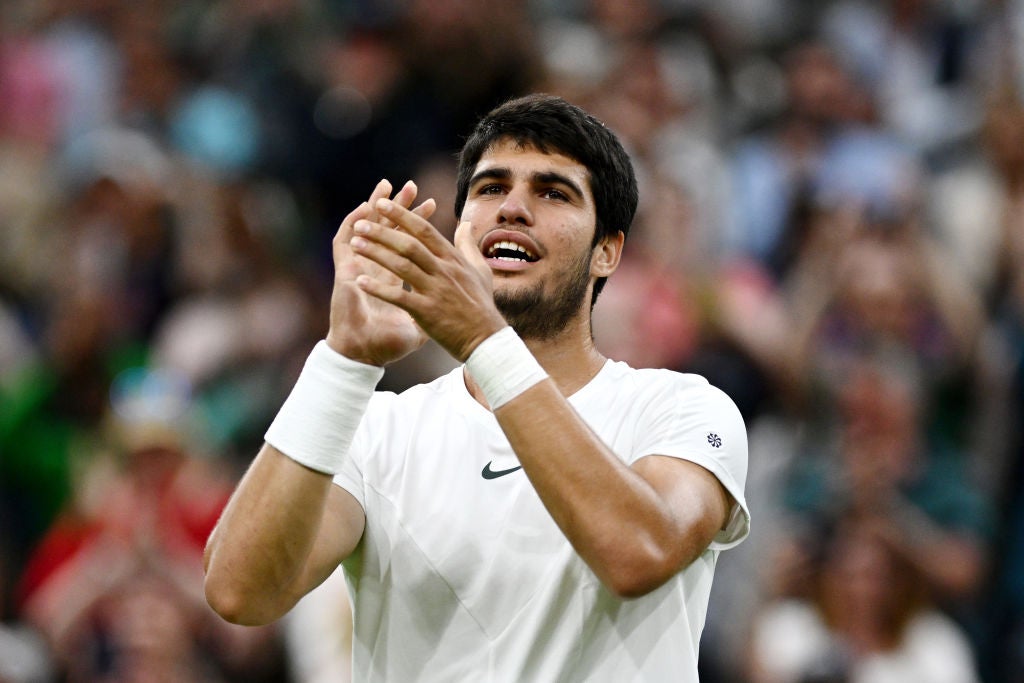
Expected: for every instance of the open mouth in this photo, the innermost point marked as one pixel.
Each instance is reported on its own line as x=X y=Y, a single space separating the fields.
x=506 y=250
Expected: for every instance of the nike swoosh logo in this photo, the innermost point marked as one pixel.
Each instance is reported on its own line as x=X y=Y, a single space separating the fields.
x=488 y=473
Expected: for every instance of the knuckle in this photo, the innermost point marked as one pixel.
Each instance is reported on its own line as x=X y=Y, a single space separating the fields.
x=404 y=269
x=406 y=249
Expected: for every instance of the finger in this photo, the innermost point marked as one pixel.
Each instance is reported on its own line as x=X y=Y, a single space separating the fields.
x=381 y=191
x=469 y=249
x=344 y=233
x=348 y=264
x=387 y=291
x=364 y=210
x=406 y=195
x=400 y=253
x=404 y=198
x=361 y=212
x=467 y=246
x=415 y=225
x=426 y=209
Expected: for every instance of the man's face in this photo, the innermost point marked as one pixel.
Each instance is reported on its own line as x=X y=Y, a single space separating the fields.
x=533 y=217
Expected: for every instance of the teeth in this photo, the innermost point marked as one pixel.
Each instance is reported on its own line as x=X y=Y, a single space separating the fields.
x=509 y=246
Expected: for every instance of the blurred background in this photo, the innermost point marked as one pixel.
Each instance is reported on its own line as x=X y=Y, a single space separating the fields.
x=831 y=229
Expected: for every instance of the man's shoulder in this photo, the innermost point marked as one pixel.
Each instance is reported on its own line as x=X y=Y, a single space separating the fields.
x=663 y=390
x=653 y=379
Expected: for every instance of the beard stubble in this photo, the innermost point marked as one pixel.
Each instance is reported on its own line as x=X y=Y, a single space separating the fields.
x=535 y=315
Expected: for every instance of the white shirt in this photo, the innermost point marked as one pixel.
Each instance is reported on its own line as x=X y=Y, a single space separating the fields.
x=459 y=577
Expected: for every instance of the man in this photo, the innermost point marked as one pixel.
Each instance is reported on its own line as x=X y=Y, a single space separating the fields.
x=539 y=514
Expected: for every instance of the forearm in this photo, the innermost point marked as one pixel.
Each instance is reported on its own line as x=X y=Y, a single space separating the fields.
x=271 y=544
x=620 y=523
x=258 y=553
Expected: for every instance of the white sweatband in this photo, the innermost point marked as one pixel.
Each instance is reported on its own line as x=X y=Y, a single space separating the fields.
x=317 y=421
x=503 y=367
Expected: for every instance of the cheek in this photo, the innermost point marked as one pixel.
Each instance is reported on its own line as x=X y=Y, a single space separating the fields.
x=564 y=241
x=570 y=235
x=480 y=208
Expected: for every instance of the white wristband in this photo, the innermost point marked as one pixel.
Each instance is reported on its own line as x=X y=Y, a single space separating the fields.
x=503 y=367
x=317 y=421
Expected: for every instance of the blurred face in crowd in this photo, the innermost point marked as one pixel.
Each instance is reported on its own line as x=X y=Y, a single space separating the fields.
x=866 y=591
x=880 y=427
x=875 y=286
x=819 y=89
x=858 y=572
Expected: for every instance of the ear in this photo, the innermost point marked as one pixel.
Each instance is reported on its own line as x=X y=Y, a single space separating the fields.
x=606 y=255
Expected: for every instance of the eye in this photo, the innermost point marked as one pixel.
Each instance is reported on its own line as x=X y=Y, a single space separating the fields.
x=493 y=188
x=554 y=193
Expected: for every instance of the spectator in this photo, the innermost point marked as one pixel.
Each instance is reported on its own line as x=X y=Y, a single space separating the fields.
x=880 y=463
x=864 y=617
x=115 y=584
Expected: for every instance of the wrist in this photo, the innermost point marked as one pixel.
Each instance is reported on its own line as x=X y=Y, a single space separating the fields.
x=490 y=327
x=503 y=367
x=318 y=420
x=350 y=351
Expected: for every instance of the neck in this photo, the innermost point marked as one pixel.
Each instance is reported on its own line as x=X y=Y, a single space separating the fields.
x=570 y=359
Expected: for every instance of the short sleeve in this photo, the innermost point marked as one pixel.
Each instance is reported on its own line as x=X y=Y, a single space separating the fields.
x=350 y=478
x=688 y=418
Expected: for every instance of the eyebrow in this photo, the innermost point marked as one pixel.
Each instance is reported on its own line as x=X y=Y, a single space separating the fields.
x=538 y=178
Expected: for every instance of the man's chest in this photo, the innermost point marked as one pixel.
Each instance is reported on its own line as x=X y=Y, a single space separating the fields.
x=463 y=511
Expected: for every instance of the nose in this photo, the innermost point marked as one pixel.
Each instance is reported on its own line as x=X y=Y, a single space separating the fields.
x=516 y=208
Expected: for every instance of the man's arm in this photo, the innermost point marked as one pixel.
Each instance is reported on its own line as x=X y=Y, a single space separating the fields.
x=635 y=527
x=285 y=529
x=287 y=526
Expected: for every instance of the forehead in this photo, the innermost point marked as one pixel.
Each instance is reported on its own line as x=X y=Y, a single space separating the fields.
x=527 y=160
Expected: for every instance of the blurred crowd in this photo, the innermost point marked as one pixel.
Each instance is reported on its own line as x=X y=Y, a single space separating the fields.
x=831 y=229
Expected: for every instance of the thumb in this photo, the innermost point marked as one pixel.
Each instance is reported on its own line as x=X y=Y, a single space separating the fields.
x=465 y=243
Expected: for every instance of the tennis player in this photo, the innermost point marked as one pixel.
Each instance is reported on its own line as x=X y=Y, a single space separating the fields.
x=541 y=513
